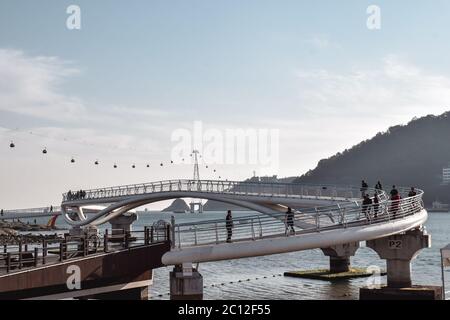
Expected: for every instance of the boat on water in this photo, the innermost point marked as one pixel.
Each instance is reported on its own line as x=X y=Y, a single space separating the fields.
x=437 y=206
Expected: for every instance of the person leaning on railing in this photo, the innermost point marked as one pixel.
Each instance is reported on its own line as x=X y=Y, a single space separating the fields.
x=412 y=192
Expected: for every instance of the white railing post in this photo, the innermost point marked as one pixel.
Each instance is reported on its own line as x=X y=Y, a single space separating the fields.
x=317 y=219
x=179 y=237
x=217 y=233
x=172 y=221
x=195 y=235
x=253 y=231
x=260 y=228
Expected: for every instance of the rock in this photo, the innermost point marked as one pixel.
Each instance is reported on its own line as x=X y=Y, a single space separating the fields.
x=178 y=205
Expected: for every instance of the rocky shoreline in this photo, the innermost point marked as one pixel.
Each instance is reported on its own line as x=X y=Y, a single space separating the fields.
x=10 y=232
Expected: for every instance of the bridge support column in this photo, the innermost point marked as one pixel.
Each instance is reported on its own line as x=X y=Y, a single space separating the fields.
x=398 y=251
x=122 y=224
x=340 y=256
x=186 y=283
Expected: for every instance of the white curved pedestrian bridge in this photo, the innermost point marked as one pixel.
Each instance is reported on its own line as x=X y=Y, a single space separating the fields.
x=325 y=216
x=266 y=198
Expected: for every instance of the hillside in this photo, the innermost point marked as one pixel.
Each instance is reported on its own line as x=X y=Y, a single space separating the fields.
x=178 y=205
x=406 y=155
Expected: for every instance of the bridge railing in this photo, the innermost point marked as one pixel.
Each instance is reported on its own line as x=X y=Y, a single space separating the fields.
x=43 y=210
x=24 y=255
x=254 y=227
x=263 y=189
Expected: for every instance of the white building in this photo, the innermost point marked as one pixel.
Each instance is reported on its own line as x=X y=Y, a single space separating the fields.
x=446 y=175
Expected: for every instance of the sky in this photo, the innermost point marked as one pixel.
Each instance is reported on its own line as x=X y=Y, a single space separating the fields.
x=139 y=74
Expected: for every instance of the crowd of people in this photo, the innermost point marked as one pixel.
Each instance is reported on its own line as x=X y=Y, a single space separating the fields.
x=371 y=204
x=76 y=195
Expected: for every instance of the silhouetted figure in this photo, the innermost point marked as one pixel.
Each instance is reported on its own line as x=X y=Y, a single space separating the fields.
x=395 y=202
x=378 y=186
x=412 y=192
x=290 y=220
x=364 y=187
x=51 y=208
x=229 y=225
x=394 y=191
x=376 y=205
x=366 y=204
x=1 y=212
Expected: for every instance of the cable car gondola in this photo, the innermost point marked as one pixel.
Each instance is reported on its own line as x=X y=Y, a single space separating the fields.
x=133 y=166
x=115 y=166
x=148 y=166
x=12 y=145
x=44 y=151
x=96 y=162
x=72 y=161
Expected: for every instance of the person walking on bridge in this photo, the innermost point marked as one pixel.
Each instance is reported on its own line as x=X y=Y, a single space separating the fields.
x=229 y=225
x=364 y=187
x=366 y=205
x=289 y=221
x=376 y=205
x=393 y=192
x=395 y=203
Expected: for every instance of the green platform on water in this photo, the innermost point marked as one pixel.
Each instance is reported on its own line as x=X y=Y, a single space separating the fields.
x=325 y=274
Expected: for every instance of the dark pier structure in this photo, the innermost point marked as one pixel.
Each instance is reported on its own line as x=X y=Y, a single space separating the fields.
x=115 y=266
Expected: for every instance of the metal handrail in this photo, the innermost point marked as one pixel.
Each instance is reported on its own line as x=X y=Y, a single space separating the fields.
x=18 y=257
x=56 y=209
x=263 y=189
x=315 y=219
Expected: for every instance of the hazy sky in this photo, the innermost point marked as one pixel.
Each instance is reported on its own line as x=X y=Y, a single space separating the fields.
x=137 y=71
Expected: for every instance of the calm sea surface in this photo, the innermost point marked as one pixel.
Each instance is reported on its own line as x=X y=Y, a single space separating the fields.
x=261 y=277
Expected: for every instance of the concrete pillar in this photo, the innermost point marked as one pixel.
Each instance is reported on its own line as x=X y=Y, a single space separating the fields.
x=340 y=256
x=122 y=223
x=186 y=283
x=399 y=250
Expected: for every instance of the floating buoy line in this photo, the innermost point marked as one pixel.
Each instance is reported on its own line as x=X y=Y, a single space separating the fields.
x=222 y=284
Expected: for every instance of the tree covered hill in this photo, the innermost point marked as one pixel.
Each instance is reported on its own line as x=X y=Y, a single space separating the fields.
x=405 y=155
